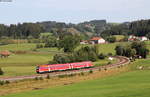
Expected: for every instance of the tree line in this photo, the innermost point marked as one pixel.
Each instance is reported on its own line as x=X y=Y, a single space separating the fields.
x=135 y=49
x=22 y=31
x=137 y=28
x=85 y=29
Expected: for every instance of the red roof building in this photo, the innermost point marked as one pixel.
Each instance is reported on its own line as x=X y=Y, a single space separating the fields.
x=97 y=40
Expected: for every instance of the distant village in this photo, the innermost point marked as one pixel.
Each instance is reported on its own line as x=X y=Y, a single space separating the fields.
x=100 y=40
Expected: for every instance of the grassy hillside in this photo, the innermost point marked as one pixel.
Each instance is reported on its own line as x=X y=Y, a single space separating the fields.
x=130 y=84
x=119 y=37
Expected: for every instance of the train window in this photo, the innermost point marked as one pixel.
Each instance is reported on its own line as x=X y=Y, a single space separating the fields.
x=43 y=67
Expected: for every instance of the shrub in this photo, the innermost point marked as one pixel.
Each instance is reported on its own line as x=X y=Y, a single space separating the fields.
x=2 y=82
x=111 y=39
x=7 y=82
x=105 y=69
x=48 y=76
x=36 y=78
x=91 y=71
x=109 y=63
x=41 y=78
x=82 y=73
x=1 y=72
x=39 y=46
x=101 y=56
x=99 y=69
x=71 y=75
x=110 y=54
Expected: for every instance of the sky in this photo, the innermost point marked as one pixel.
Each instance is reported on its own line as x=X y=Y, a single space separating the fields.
x=74 y=11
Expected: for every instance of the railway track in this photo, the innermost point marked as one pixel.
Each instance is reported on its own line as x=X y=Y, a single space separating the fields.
x=121 y=62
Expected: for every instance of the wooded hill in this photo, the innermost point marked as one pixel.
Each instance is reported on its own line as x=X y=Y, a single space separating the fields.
x=86 y=29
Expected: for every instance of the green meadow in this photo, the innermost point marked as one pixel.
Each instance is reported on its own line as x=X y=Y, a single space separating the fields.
x=135 y=83
x=25 y=63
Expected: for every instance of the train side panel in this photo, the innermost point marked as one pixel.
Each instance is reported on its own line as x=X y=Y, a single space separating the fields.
x=60 y=67
x=81 y=65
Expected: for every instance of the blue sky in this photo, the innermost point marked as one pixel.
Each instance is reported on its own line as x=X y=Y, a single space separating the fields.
x=74 y=11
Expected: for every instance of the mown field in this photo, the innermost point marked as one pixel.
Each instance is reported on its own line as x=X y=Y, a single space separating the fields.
x=134 y=83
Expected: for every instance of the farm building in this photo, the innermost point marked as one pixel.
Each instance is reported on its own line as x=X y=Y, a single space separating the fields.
x=97 y=40
x=143 y=38
x=135 y=38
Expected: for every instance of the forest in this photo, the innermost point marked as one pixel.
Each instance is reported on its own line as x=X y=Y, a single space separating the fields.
x=85 y=29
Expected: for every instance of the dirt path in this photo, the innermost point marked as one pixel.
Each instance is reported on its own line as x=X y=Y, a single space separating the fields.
x=121 y=61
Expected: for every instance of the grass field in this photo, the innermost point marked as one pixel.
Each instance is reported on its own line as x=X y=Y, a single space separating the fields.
x=119 y=37
x=131 y=84
x=26 y=63
x=18 y=47
x=134 y=83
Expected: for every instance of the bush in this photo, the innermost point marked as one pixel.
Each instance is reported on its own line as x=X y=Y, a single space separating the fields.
x=111 y=39
x=101 y=56
x=41 y=78
x=39 y=46
x=84 y=54
x=48 y=76
x=1 y=72
x=7 y=82
x=82 y=73
x=91 y=71
x=36 y=78
x=61 y=58
x=2 y=82
x=51 y=42
x=109 y=63
x=110 y=54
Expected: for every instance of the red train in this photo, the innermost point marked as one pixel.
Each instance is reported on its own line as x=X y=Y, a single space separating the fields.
x=62 y=67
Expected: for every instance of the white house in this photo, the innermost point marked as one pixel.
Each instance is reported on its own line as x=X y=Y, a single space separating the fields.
x=135 y=38
x=97 y=40
x=143 y=38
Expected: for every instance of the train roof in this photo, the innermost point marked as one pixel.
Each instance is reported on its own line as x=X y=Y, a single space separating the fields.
x=64 y=64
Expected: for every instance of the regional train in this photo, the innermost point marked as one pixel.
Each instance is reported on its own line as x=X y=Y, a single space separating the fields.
x=62 y=67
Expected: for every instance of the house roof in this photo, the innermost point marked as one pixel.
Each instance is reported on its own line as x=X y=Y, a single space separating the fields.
x=96 y=38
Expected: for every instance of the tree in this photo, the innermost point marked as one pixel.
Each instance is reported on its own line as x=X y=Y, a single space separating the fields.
x=61 y=58
x=140 y=48
x=51 y=41
x=119 y=50
x=69 y=43
x=136 y=48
